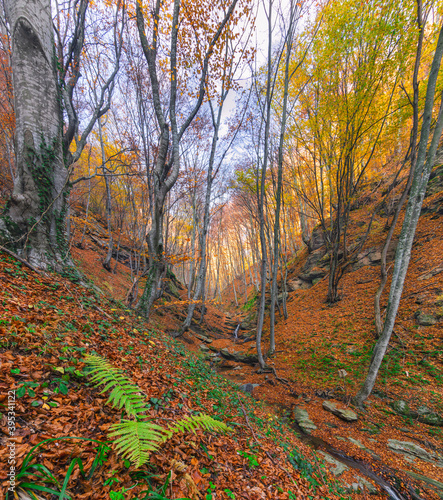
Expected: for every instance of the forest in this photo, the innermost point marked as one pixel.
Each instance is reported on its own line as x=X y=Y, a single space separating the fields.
x=221 y=249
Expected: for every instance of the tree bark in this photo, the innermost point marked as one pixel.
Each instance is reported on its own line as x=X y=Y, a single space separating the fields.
x=423 y=167
x=35 y=217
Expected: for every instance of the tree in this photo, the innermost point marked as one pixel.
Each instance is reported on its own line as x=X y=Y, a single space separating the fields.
x=38 y=199
x=424 y=161
x=344 y=113
x=43 y=79
x=208 y=33
x=233 y=55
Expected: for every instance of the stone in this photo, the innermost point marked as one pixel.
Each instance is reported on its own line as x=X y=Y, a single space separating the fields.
x=432 y=482
x=248 y=388
x=431 y=274
x=239 y=357
x=313 y=274
x=375 y=257
x=401 y=407
x=301 y=416
x=362 y=485
x=338 y=468
x=297 y=284
x=203 y=338
x=204 y=348
x=344 y=414
x=426 y=416
x=357 y=443
x=317 y=239
x=363 y=447
x=332 y=426
x=425 y=319
x=413 y=450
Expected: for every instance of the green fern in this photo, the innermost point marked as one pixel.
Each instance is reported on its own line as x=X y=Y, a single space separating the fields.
x=193 y=422
x=124 y=392
x=136 y=439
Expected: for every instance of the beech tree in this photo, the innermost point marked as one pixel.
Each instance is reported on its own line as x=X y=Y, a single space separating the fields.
x=47 y=124
x=41 y=177
x=344 y=113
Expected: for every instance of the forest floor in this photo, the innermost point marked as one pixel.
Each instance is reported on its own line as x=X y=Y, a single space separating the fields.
x=48 y=322
x=47 y=325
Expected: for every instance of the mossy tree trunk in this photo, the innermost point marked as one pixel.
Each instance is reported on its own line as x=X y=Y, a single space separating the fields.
x=34 y=222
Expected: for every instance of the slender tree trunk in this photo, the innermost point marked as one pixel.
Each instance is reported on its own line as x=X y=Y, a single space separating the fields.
x=424 y=164
x=278 y=195
x=261 y=195
x=415 y=86
x=107 y=260
x=168 y=157
x=192 y=262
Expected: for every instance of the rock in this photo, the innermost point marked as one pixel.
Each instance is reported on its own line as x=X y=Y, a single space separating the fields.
x=339 y=467
x=375 y=257
x=401 y=407
x=297 y=284
x=357 y=443
x=313 y=274
x=248 y=388
x=363 y=485
x=332 y=426
x=344 y=414
x=203 y=338
x=248 y=323
x=301 y=416
x=432 y=482
x=430 y=274
x=426 y=416
x=363 y=447
x=317 y=239
x=413 y=450
x=239 y=356
x=204 y=348
x=425 y=319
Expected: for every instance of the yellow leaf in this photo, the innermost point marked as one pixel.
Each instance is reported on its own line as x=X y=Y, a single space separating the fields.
x=60 y=369
x=121 y=317
x=46 y=407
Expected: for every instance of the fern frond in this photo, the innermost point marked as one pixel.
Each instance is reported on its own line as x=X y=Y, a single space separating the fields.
x=135 y=440
x=124 y=393
x=194 y=422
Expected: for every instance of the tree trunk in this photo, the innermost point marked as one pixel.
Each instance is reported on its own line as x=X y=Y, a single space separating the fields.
x=107 y=260
x=423 y=167
x=35 y=222
x=278 y=195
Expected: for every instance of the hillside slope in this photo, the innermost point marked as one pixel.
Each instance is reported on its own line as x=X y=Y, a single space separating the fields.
x=47 y=325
